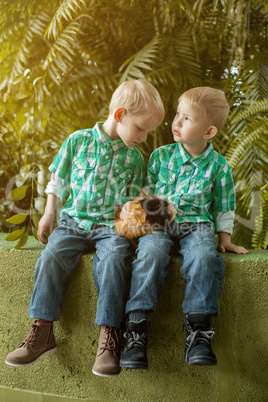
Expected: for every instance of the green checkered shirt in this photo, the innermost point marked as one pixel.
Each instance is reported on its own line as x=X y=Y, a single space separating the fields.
x=100 y=174
x=197 y=187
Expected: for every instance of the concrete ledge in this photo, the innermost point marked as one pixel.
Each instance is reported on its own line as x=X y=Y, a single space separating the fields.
x=240 y=343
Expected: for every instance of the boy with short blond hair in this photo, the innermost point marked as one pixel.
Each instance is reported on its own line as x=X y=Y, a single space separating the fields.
x=101 y=168
x=198 y=181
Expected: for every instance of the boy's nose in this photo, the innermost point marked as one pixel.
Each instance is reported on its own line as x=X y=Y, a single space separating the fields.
x=179 y=121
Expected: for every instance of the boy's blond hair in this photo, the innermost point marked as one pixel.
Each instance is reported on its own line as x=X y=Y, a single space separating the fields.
x=212 y=102
x=138 y=97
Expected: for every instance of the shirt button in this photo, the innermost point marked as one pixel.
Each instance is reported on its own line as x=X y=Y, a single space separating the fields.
x=99 y=195
x=107 y=157
x=94 y=209
x=101 y=176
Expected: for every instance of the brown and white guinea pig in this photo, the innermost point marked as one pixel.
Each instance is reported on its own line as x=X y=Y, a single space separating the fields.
x=146 y=216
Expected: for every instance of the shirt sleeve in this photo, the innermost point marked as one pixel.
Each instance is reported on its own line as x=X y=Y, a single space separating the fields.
x=224 y=221
x=61 y=170
x=152 y=175
x=62 y=163
x=57 y=186
x=224 y=191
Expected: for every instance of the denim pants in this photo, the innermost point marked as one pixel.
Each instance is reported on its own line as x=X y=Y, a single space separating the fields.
x=117 y=279
x=201 y=267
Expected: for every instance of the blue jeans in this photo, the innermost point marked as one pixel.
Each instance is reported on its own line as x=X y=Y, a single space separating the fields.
x=116 y=278
x=201 y=267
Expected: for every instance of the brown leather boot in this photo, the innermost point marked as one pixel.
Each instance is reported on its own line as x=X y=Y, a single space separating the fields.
x=108 y=354
x=40 y=342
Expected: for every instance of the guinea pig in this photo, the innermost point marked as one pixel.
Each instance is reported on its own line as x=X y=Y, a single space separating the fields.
x=146 y=216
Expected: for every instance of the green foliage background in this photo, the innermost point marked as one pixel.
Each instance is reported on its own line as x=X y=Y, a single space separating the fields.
x=62 y=59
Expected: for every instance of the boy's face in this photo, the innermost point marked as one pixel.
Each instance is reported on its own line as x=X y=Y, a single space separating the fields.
x=191 y=128
x=133 y=129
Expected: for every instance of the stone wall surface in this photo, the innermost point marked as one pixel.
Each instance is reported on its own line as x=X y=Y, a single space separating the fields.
x=240 y=343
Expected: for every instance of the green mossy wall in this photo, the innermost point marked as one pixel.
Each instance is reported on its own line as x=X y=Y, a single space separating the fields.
x=240 y=342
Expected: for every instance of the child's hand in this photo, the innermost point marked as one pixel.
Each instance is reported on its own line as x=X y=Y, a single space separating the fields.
x=232 y=248
x=225 y=244
x=46 y=222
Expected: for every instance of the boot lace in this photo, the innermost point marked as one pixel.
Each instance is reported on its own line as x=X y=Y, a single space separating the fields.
x=32 y=337
x=111 y=339
x=135 y=339
x=198 y=337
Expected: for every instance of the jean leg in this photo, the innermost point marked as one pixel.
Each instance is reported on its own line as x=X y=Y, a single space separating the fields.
x=54 y=270
x=202 y=269
x=149 y=271
x=112 y=271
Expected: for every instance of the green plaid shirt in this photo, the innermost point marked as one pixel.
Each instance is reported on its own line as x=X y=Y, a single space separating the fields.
x=100 y=174
x=197 y=187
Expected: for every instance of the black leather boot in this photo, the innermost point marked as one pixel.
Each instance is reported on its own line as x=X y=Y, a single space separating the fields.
x=134 y=354
x=198 y=335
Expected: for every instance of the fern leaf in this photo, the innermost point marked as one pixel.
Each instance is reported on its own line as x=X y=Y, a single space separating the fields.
x=37 y=26
x=257 y=107
x=142 y=60
x=243 y=142
x=67 y=11
x=62 y=53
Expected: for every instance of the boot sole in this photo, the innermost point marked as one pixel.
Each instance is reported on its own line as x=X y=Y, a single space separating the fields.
x=99 y=373
x=196 y=362
x=134 y=366
x=47 y=353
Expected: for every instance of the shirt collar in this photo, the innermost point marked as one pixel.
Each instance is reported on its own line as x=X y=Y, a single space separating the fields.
x=202 y=160
x=104 y=140
x=183 y=154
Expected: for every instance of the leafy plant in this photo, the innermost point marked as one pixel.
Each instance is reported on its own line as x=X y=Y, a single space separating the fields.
x=62 y=59
x=248 y=157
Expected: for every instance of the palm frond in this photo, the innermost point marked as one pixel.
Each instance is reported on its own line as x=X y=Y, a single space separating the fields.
x=61 y=56
x=36 y=28
x=255 y=108
x=77 y=51
x=142 y=61
x=67 y=12
x=245 y=140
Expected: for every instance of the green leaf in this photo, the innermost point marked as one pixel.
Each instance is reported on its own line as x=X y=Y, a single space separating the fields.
x=144 y=58
x=23 y=240
x=18 y=193
x=15 y=235
x=37 y=79
x=40 y=203
x=18 y=218
x=24 y=94
x=25 y=169
x=36 y=219
x=27 y=72
x=20 y=181
x=40 y=189
x=34 y=231
x=17 y=79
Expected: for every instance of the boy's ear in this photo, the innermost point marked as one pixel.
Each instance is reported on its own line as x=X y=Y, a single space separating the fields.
x=210 y=133
x=118 y=114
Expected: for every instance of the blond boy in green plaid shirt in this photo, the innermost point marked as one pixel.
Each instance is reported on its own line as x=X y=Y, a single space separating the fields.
x=98 y=169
